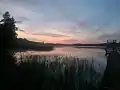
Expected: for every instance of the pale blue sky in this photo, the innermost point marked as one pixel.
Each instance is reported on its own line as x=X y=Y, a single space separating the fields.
x=84 y=20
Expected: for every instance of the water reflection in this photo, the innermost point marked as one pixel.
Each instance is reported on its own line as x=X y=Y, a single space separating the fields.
x=82 y=52
x=98 y=54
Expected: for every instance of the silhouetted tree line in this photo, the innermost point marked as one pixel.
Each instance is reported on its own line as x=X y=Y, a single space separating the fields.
x=101 y=44
x=112 y=44
x=24 y=44
x=8 y=42
x=8 y=37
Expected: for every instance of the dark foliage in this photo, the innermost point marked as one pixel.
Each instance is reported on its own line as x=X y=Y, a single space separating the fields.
x=24 y=44
x=8 y=34
x=111 y=77
x=8 y=42
x=53 y=76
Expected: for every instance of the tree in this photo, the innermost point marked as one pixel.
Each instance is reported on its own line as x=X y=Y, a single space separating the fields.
x=8 y=33
x=8 y=39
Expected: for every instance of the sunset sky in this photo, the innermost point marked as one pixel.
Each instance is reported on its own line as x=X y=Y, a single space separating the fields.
x=65 y=21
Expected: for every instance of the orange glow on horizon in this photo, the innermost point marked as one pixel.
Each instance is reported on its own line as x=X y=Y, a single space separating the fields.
x=43 y=37
x=55 y=38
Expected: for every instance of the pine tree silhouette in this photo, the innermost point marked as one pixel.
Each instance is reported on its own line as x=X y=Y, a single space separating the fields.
x=8 y=38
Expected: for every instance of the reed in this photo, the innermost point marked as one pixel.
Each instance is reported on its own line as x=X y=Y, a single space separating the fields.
x=59 y=72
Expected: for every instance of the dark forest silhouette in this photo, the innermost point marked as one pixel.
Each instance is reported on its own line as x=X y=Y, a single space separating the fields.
x=8 y=42
x=111 y=77
x=24 y=44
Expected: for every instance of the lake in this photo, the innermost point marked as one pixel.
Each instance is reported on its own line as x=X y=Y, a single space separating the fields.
x=98 y=55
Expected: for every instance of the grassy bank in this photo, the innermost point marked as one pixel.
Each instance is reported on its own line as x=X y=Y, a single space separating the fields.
x=57 y=73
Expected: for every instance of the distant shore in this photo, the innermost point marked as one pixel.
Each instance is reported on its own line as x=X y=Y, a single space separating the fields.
x=94 y=47
x=40 y=48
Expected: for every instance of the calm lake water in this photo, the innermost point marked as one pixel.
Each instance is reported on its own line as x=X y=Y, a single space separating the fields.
x=97 y=54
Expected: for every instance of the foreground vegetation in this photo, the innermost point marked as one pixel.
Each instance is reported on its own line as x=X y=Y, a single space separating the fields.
x=57 y=73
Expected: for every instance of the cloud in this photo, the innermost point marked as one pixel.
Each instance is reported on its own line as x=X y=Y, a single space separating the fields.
x=29 y=2
x=47 y=34
x=0 y=13
x=22 y=30
x=55 y=38
x=19 y=11
x=47 y=37
x=112 y=36
x=23 y=18
x=71 y=41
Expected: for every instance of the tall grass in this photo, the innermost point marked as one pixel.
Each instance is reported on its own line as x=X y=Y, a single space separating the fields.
x=58 y=73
